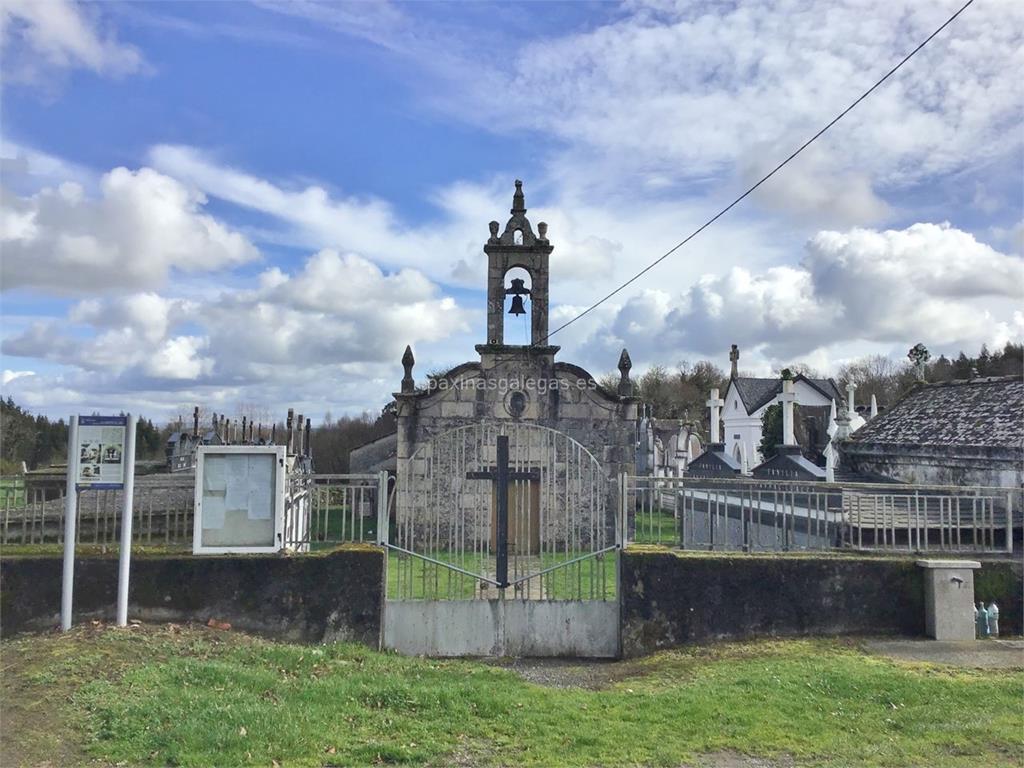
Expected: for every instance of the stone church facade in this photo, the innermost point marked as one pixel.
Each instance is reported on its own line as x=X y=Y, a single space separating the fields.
x=521 y=384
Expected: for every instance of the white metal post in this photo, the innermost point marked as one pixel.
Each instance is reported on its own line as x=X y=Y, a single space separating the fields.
x=382 y=509
x=70 y=513
x=124 y=563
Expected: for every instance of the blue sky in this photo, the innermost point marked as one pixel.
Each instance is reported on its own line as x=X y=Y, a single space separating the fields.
x=258 y=205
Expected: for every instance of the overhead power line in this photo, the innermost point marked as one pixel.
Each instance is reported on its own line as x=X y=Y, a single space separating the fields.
x=763 y=179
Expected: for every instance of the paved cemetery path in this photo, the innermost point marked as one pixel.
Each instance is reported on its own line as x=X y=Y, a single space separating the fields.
x=980 y=654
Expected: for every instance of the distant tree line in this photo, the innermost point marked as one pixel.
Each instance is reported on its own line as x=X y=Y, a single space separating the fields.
x=35 y=440
x=39 y=442
x=673 y=393
x=332 y=440
x=888 y=379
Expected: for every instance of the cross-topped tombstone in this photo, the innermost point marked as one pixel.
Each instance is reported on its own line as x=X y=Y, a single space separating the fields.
x=501 y=475
x=919 y=356
x=715 y=404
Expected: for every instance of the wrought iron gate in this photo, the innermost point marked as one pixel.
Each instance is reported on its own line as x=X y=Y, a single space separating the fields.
x=496 y=513
x=559 y=526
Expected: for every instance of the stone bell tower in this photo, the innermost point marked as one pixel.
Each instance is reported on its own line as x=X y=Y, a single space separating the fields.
x=517 y=246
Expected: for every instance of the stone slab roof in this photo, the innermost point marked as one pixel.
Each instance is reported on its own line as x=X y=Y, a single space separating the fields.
x=756 y=392
x=714 y=462
x=981 y=412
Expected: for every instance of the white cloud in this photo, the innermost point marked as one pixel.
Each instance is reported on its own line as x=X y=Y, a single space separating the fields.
x=659 y=96
x=691 y=88
x=8 y=375
x=597 y=241
x=23 y=166
x=450 y=249
x=814 y=187
x=140 y=226
x=337 y=308
x=179 y=358
x=928 y=282
x=335 y=317
x=60 y=34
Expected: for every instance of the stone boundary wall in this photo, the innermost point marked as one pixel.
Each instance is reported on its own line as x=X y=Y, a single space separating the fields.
x=332 y=596
x=671 y=598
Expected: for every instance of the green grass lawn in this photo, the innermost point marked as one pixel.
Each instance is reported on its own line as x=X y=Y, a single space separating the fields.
x=181 y=696
x=12 y=492
x=333 y=521
x=411 y=578
x=655 y=526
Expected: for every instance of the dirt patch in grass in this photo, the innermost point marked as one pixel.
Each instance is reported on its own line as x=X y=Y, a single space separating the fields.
x=588 y=674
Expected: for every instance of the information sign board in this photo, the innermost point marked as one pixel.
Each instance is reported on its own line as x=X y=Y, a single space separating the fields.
x=101 y=451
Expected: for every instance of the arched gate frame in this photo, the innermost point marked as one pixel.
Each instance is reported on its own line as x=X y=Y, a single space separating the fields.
x=477 y=570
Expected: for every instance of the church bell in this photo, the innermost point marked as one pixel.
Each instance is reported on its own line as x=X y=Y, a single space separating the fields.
x=517 y=291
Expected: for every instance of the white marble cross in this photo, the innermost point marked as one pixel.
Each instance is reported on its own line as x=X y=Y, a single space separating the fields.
x=787 y=398
x=715 y=404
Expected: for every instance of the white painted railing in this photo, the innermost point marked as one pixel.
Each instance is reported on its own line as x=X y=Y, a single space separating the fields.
x=754 y=515
x=329 y=509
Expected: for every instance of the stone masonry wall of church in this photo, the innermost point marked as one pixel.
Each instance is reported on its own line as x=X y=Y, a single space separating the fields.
x=604 y=425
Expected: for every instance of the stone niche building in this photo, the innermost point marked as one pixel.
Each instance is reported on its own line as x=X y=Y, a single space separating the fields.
x=964 y=432
x=665 y=447
x=521 y=384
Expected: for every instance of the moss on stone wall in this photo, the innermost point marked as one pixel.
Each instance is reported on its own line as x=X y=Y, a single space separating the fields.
x=334 y=595
x=671 y=597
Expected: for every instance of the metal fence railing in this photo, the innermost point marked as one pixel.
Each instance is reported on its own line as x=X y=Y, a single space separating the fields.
x=754 y=515
x=329 y=509
x=163 y=512
x=320 y=511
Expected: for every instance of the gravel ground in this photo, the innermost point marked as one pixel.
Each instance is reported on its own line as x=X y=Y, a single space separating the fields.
x=982 y=654
x=591 y=674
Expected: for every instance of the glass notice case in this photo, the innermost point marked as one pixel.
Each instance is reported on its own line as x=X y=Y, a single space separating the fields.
x=239 y=498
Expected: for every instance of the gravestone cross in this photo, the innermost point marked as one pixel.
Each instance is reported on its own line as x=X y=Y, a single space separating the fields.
x=787 y=398
x=715 y=404
x=501 y=475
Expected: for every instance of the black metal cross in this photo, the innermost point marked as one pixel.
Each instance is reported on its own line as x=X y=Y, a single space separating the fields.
x=501 y=475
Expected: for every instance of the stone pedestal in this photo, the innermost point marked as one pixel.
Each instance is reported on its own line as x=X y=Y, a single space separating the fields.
x=949 y=598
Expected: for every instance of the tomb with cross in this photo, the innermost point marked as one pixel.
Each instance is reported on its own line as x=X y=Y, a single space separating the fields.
x=788 y=463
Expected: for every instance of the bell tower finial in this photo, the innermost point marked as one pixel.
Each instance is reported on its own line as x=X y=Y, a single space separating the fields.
x=518 y=199
x=408 y=361
x=625 y=385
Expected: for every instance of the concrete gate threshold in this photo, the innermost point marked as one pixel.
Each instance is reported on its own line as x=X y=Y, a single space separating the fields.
x=509 y=627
